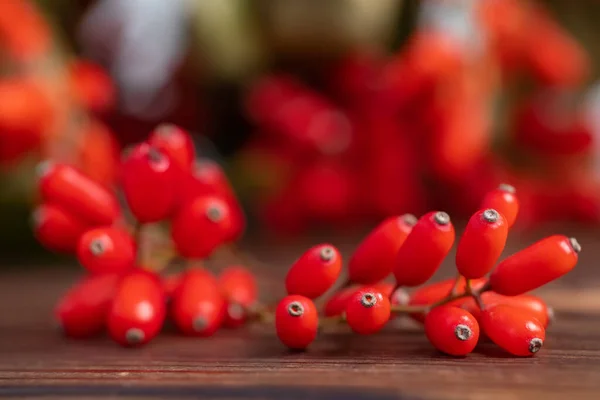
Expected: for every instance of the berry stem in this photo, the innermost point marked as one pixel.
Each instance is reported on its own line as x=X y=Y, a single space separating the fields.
x=400 y=309
x=454 y=289
x=332 y=321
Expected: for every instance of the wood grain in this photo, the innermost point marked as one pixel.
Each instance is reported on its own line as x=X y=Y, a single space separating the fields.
x=36 y=361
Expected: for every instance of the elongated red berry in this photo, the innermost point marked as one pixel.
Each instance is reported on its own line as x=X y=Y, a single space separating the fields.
x=83 y=309
x=138 y=311
x=170 y=284
x=336 y=304
x=367 y=311
x=296 y=322
x=504 y=200
x=536 y=265
x=535 y=306
x=149 y=181
x=513 y=329
x=375 y=256
x=197 y=305
x=106 y=250
x=481 y=244
x=176 y=143
x=66 y=187
x=424 y=249
x=57 y=229
x=452 y=330
x=207 y=178
x=239 y=288
x=201 y=226
x=314 y=272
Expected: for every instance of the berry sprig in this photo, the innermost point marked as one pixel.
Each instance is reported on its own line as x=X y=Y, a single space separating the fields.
x=487 y=295
x=163 y=181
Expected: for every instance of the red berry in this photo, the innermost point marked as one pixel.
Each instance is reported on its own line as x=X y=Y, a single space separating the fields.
x=197 y=306
x=201 y=226
x=238 y=286
x=208 y=179
x=375 y=256
x=513 y=329
x=481 y=244
x=314 y=272
x=56 y=229
x=64 y=186
x=82 y=311
x=367 y=311
x=424 y=249
x=106 y=250
x=296 y=322
x=171 y=283
x=138 y=310
x=149 y=181
x=504 y=200
x=176 y=144
x=452 y=330
x=531 y=304
x=536 y=265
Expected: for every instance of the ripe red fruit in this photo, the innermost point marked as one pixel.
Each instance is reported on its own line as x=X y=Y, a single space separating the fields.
x=296 y=322
x=238 y=286
x=201 y=226
x=57 y=229
x=176 y=144
x=336 y=304
x=149 y=183
x=207 y=178
x=138 y=310
x=513 y=329
x=452 y=330
x=64 y=186
x=314 y=272
x=536 y=265
x=505 y=201
x=375 y=256
x=531 y=304
x=106 y=250
x=367 y=311
x=82 y=311
x=197 y=306
x=481 y=244
x=424 y=249
x=170 y=284
x=91 y=86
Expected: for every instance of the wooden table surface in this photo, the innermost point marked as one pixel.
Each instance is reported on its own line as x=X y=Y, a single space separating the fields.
x=36 y=361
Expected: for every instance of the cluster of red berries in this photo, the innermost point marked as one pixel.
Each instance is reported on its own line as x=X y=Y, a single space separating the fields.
x=452 y=311
x=161 y=180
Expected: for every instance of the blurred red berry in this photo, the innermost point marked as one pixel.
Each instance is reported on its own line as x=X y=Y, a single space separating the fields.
x=176 y=144
x=239 y=288
x=57 y=229
x=296 y=322
x=504 y=200
x=106 y=250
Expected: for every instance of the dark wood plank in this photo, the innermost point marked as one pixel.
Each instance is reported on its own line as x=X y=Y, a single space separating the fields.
x=250 y=363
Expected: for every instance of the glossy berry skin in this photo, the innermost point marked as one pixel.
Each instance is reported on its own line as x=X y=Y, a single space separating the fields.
x=513 y=329
x=367 y=311
x=481 y=244
x=424 y=249
x=66 y=187
x=176 y=144
x=207 y=178
x=201 y=226
x=106 y=250
x=57 y=229
x=375 y=256
x=82 y=311
x=530 y=304
x=314 y=272
x=149 y=181
x=239 y=288
x=504 y=200
x=296 y=322
x=138 y=310
x=336 y=304
x=536 y=265
x=197 y=305
x=452 y=330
